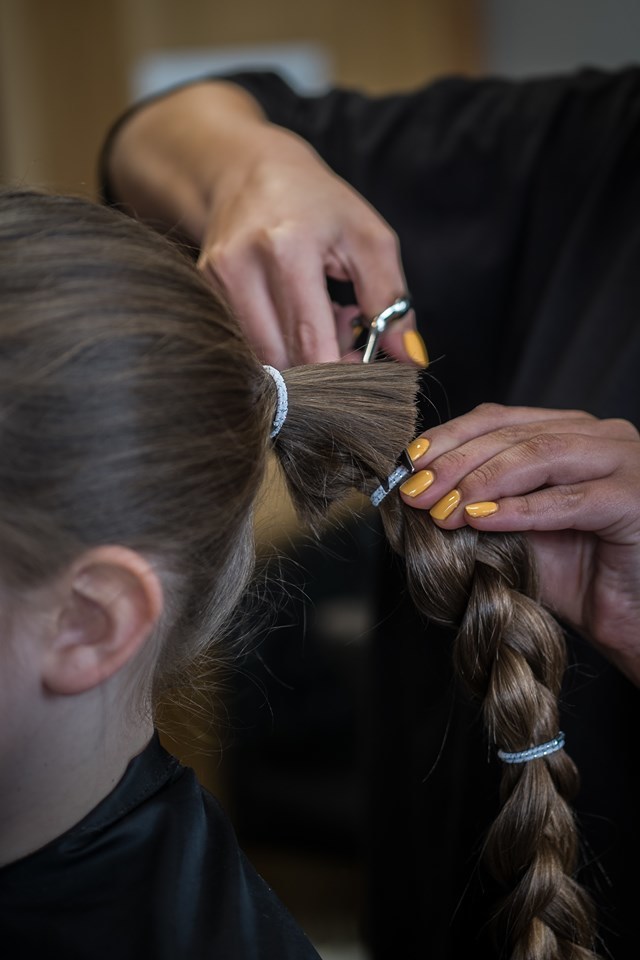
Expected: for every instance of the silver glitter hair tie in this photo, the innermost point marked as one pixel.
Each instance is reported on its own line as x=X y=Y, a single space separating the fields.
x=283 y=400
x=533 y=753
x=403 y=470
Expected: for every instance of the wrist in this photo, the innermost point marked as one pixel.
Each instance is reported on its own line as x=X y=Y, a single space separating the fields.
x=164 y=162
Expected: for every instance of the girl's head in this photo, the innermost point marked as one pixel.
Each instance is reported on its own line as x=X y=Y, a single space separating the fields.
x=134 y=415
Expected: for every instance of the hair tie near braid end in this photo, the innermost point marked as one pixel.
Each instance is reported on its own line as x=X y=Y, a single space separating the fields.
x=533 y=753
x=283 y=400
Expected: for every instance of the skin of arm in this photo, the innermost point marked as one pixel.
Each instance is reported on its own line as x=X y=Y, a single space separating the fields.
x=571 y=482
x=272 y=221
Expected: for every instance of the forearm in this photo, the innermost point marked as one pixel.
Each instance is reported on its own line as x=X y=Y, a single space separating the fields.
x=164 y=161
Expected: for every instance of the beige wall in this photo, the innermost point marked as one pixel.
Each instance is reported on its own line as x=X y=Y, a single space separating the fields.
x=64 y=63
x=62 y=77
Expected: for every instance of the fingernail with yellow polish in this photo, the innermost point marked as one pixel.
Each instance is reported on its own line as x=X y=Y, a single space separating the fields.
x=484 y=508
x=444 y=507
x=418 y=483
x=415 y=347
x=418 y=447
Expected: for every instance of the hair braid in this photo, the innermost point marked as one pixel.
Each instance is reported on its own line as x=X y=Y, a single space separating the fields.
x=511 y=654
x=509 y=651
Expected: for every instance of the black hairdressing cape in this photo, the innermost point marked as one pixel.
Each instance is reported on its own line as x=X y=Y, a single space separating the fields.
x=517 y=206
x=153 y=873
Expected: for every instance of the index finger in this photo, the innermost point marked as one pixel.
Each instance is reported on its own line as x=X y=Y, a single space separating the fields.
x=485 y=419
x=306 y=314
x=253 y=308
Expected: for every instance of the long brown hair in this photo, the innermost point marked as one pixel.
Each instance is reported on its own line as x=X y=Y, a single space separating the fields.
x=508 y=649
x=133 y=411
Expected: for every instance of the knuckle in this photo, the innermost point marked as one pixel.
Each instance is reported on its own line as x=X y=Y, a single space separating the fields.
x=389 y=241
x=512 y=434
x=460 y=428
x=487 y=474
x=565 y=500
x=381 y=239
x=562 y=501
x=222 y=262
x=215 y=253
x=571 y=495
x=452 y=462
x=545 y=446
x=488 y=409
x=273 y=241
x=522 y=508
x=282 y=244
x=621 y=428
x=579 y=415
x=217 y=273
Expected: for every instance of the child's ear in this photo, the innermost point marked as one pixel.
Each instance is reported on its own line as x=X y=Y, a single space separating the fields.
x=111 y=602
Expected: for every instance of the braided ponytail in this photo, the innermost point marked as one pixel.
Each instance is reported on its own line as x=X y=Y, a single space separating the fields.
x=345 y=428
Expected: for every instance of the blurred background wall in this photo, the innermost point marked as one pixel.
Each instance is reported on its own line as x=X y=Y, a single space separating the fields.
x=526 y=37
x=68 y=67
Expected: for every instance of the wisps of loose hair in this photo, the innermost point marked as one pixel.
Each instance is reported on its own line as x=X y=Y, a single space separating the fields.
x=133 y=411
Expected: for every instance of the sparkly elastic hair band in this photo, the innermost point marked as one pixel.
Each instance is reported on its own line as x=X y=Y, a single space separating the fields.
x=542 y=750
x=403 y=470
x=283 y=400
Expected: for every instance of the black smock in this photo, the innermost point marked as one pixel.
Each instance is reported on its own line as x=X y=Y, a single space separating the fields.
x=517 y=207
x=154 y=871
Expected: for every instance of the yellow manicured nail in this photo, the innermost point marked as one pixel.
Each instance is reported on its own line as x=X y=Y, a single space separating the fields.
x=444 y=507
x=415 y=347
x=417 y=483
x=484 y=508
x=418 y=447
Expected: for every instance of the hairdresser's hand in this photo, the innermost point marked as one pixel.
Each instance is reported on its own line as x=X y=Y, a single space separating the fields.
x=572 y=482
x=281 y=223
x=271 y=219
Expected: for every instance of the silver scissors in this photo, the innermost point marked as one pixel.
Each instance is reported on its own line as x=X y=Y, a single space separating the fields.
x=398 y=309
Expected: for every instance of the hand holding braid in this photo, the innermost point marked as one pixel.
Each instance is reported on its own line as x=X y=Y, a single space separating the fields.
x=509 y=651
